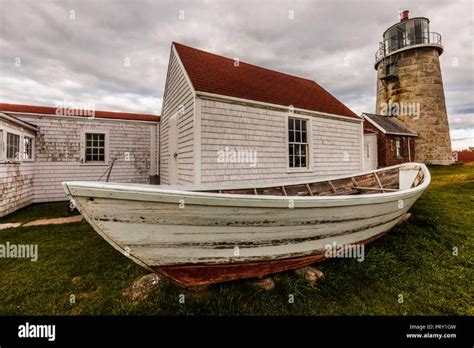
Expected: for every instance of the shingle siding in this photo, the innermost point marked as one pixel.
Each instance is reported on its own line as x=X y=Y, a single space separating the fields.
x=178 y=93
x=58 y=157
x=16 y=179
x=336 y=143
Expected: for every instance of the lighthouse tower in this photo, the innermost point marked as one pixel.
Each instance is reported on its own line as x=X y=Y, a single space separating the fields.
x=410 y=87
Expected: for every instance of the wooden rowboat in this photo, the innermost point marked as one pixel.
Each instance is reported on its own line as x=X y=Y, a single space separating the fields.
x=208 y=234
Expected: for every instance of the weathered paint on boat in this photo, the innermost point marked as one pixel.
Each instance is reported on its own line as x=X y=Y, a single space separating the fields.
x=194 y=236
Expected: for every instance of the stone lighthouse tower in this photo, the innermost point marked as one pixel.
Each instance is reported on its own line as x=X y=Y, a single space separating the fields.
x=410 y=87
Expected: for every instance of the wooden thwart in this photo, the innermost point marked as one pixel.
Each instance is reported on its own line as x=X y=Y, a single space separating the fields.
x=375 y=189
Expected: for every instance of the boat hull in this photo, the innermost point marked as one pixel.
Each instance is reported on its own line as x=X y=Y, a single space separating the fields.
x=197 y=238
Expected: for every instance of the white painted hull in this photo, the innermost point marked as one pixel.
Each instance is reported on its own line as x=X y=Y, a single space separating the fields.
x=158 y=227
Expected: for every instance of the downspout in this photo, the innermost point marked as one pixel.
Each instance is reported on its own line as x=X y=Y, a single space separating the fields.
x=409 y=150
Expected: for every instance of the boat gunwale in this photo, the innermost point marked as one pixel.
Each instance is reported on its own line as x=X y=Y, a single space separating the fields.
x=147 y=190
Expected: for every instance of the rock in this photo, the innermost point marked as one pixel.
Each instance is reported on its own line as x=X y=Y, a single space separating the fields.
x=76 y=280
x=311 y=274
x=266 y=284
x=141 y=287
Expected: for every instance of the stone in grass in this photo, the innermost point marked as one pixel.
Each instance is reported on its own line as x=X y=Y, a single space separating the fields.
x=142 y=287
x=311 y=274
x=266 y=283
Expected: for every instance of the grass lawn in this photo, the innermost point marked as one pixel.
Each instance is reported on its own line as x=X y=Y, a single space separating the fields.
x=39 y=211
x=414 y=260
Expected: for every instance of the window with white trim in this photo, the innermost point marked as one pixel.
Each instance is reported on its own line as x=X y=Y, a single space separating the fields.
x=13 y=146
x=399 y=147
x=297 y=143
x=95 y=148
x=27 y=148
x=367 y=150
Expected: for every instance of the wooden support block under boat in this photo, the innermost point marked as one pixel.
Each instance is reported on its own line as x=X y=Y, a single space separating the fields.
x=311 y=274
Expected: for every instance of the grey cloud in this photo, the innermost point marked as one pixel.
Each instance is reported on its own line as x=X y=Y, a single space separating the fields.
x=332 y=42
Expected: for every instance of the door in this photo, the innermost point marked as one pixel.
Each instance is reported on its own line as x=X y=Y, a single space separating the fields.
x=173 y=150
x=370 y=152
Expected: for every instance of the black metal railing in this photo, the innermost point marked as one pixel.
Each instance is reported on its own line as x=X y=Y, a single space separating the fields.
x=392 y=45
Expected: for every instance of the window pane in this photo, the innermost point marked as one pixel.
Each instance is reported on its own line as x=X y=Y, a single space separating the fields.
x=303 y=150
x=297 y=161
x=298 y=137
x=292 y=137
x=303 y=136
x=291 y=149
x=291 y=124
x=292 y=162
x=303 y=125
x=95 y=147
x=297 y=124
x=303 y=161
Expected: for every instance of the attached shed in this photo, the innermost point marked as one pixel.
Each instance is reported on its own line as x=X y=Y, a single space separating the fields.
x=387 y=141
x=41 y=147
x=224 y=120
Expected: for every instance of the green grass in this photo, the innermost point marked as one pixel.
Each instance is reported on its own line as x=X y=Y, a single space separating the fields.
x=415 y=260
x=39 y=211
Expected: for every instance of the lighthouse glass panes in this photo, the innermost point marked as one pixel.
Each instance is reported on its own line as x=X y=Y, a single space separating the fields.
x=95 y=147
x=297 y=143
x=407 y=33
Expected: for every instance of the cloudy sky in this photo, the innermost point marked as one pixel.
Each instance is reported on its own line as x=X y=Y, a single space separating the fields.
x=114 y=53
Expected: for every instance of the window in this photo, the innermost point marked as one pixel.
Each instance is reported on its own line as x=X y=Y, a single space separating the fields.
x=297 y=143
x=27 y=148
x=95 y=147
x=399 y=147
x=13 y=146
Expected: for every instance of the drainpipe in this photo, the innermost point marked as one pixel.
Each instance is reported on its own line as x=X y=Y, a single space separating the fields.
x=409 y=150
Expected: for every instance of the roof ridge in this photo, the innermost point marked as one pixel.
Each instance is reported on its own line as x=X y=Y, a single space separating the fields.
x=56 y=107
x=51 y=110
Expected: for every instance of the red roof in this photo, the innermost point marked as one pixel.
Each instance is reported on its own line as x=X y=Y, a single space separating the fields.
x=33 y=109
x=216 y=74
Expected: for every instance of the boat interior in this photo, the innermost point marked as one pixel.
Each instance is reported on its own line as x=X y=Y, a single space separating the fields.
x=386 y=180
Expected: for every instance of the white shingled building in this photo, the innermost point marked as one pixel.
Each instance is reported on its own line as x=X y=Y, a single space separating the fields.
x=227 y=121
x=222 y=120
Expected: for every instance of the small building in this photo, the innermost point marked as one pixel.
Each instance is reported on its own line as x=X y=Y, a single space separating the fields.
x=40 y=147
x=387 y=142
x=224 y=120
x=464 y=156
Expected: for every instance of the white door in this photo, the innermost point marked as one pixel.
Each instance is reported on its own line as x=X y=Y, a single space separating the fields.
x=370 y=151
x=173 y=150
